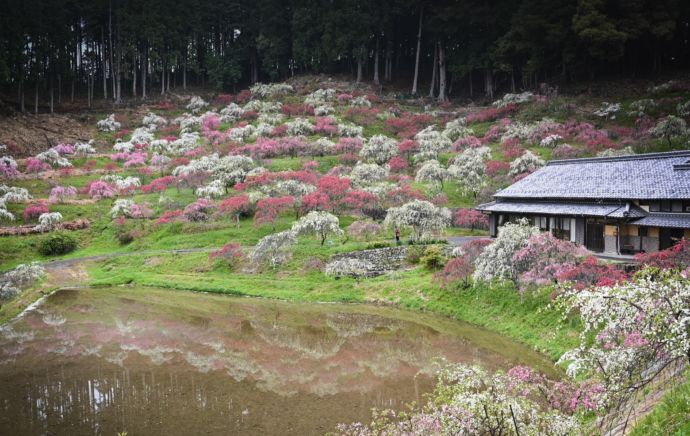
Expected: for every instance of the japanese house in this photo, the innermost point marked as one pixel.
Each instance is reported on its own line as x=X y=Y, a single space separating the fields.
x=612 y=205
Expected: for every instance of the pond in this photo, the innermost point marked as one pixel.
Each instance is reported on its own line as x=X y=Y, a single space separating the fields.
x=162 y=362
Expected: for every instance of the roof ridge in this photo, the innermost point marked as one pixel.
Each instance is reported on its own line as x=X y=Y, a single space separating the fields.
x=644 y=156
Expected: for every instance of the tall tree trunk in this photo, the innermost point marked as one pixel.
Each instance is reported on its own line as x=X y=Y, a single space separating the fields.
x=163 y=79
x=376 y=63
x=434 y=69
x=110 y=39
x=442 y=82
x=144 y=70
x=359 y=69
x=168 y=81
x=104 y=63
x=59 y=80
x=21 y=96
x=134 y=75
x=488 y=83
x=388 y=61
x=52 y=93
x=36 y=97
x=184 y=70
x=419 y=48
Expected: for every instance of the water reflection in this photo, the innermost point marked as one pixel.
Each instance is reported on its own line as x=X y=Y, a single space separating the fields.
x=164 y=362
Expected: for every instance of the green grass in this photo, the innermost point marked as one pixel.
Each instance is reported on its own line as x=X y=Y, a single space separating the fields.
x=671 y=416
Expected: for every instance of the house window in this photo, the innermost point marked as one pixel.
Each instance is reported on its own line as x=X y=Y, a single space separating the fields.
x=643 y=232
x=686 y=206
x=561 y=228
x=542 y=222
x=654 y=206
x=666 y=205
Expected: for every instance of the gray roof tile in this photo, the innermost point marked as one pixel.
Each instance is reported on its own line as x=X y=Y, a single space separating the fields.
x=673 y=220
x=643 y=176
x=573 y=209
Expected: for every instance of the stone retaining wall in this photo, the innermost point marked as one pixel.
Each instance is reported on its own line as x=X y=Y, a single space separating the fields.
x=380 y=260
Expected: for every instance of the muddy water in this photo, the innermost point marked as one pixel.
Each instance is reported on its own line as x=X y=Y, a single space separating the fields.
x=161 y=362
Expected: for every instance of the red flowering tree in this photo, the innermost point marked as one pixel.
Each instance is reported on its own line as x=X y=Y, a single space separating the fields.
x=461 y=267
x=230 y=253
x=676 y=257
x=398 y=164
x=235 y=206
x=470 y=218
x=158 y=185
x=396 y=197
x=268 y=210
x=334 y=187
x=408 y=148
x=591 y=272
x=316 y=200
x=364 y=203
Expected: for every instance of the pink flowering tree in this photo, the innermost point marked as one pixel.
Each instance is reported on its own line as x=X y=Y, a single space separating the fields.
x=200 y=210
x=33 y=211
x=35 y=166
x=61 y=193
x=544 y=258
x=99 y=189
x=470 y=218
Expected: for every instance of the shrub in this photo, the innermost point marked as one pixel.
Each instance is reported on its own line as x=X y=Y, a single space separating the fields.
x=433 y=258
x=23 y=276
x=57 y=244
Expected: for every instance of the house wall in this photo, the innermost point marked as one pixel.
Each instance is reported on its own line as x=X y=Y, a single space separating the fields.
x=650 y=243
x=580 y=231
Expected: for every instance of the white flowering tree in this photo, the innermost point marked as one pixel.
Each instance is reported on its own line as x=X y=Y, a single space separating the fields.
x=108 y=124
x=456 y=129
x=214 y=189
x=53 y=158
x=379 y=149
x=469 y=169
x=300 y=127
x=496 y=261
x=527 y=163
x=508 y=99
x=669 y=128
x=232 y=169
x=640 y=328
x=4 y=213
x=364 y=174
x=469 y=400
x=424 y=217
x=14 y=194
x=431 y=171
x=320 y=224
x=274 y=249
x=21 y=277
x=48 y=221
x=196 y=104
x=431 y=144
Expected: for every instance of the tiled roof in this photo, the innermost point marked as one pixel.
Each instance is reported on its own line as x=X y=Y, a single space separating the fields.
x=673 y=220
x=643 y=176
x=573 y=209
